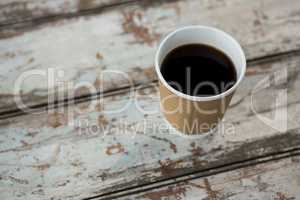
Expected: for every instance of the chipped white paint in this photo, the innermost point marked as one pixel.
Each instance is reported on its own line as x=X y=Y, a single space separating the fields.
x=277 y=180
x=41 y=156
x=12 y=11
x=45 y=156
x=125 y=40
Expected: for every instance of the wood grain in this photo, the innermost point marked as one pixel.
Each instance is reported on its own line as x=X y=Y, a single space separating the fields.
x=17 y=11
x=277 y=180
x=76 y=152
x=86 y=49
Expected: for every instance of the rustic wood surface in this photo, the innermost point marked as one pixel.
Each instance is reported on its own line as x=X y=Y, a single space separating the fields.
x=125 y=38
x=16 y=11
x=278 y=180
x=86 y=150
x=95 y=152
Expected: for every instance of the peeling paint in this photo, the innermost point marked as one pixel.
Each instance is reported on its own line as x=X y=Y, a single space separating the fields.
x=99 y=107
x=184 y=156
x=99 y=56
x=196 y=151
x=57 y=119
x=102 y=121
x=134 y=23
x=115 y=149
x=174 y=5
x=177 y=192
x=52 y=160
x=42 y=167
x=211 y=194
x=169 y=167
x=81 y=91
x=281 y=196
x=26 y=146
x=142 y=26
x=150 y=73
x=173 y=146
x=86 y=4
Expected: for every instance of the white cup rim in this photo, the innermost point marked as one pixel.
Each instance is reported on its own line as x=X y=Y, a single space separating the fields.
x=200 y=98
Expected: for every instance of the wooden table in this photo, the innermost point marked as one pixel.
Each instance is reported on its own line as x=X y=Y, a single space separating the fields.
x=71 y=145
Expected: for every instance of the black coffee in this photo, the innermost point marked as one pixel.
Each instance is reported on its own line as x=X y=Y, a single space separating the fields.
x=198 y=70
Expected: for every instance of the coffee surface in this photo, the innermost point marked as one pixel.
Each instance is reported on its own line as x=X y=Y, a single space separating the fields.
x=198 y=70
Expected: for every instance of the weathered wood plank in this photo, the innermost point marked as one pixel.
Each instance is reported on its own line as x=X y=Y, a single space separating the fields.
x=59 y=156
x=277 y=180
x=16 y=11
x=124 y=39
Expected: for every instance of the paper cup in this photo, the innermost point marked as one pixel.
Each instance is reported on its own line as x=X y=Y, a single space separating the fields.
x=193 y=115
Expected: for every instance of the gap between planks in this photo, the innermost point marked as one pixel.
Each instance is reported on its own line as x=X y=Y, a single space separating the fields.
x=44 y=19
x=198 y=174
x=126 y=89
x=68 y=15
x=139 y=26
x=254 y=146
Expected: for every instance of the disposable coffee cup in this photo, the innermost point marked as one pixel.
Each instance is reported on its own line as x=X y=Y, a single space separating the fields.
x=196 y=115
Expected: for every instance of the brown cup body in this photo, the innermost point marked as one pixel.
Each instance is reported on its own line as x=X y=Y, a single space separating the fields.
x=189 y=116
